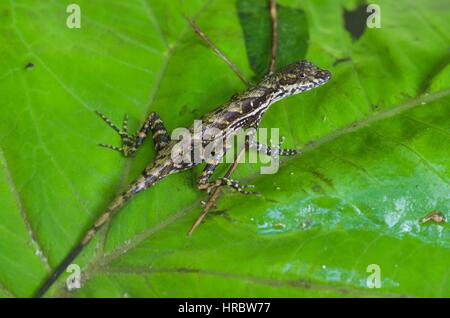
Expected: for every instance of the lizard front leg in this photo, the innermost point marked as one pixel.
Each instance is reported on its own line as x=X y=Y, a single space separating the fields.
x=131 y=143
x=159 y=132
x=272 y=151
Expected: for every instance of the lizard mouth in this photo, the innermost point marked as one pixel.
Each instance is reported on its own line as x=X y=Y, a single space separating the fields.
x=324 y=76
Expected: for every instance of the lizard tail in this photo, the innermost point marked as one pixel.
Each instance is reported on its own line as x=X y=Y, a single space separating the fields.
x=118 y=202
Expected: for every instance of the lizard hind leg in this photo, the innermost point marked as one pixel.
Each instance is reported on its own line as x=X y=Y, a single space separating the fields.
x=206 y=185
x=234 y=184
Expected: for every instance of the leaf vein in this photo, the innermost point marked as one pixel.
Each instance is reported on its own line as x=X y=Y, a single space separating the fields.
x=20 y=207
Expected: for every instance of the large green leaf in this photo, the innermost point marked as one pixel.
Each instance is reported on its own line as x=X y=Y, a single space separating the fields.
x=375 y=138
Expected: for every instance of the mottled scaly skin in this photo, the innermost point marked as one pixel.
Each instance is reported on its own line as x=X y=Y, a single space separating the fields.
x=243 y=110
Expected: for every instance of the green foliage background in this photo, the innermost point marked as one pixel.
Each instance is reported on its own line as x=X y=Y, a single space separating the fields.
x=376 y=140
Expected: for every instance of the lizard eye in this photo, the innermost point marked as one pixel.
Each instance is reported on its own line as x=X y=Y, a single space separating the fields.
x=302 y=75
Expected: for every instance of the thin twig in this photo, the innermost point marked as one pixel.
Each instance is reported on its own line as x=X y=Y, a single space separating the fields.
x=273 y=16
x=213 y=197
x=218 y=51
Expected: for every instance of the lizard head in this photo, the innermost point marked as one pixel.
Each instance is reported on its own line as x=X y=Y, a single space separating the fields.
x=296 y=78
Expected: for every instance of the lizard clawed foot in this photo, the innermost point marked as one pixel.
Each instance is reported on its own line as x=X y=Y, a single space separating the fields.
x=287 y=152
x=128 y=141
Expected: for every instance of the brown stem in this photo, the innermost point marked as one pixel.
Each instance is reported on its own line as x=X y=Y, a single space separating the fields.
x=273 y=16
x=218 y=51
